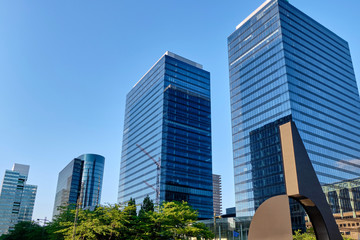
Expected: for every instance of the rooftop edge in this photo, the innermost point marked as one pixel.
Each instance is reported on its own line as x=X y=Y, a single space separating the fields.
x=185 y=60
x=252 y=14
x=173 y=55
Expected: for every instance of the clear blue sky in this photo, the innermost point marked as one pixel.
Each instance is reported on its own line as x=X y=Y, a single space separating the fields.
x=66 y=66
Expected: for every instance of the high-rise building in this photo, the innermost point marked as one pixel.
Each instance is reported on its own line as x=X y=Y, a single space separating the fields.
x=80 y=180
x=16 y=198
x=167 y=121
x=217 y=195
x=286 y=66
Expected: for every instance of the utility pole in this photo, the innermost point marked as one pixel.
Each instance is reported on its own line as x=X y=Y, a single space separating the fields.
x=44 y=224
x=214 y=225
x=215 y=217
x=78 y=205
x=158 y=170
x=219 y=231
x=43 y=220
x=241 y=231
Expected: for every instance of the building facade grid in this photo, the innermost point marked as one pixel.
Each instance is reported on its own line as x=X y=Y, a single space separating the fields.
x=284 y=63
x=80 y=182
x=17 y=198
x=168 y=115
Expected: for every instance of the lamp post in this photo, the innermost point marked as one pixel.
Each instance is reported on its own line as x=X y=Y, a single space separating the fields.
x=44 y=223
x=215 y=217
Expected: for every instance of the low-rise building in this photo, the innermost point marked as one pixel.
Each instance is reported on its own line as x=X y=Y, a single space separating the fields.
x=344 y=201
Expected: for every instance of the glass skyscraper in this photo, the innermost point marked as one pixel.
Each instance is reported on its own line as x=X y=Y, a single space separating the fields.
x=285 y=66
x=168 y=116
x=81 y=178
x=16 y=198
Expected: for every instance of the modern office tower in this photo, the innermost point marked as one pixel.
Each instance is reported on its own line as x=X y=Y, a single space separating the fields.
x=286 y=66
x=217 y=194
x=80 y=180
x=16 y=198
x=167 y=121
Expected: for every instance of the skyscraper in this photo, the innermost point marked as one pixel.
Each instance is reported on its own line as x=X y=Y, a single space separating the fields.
x=217 y=194
x=286 y=66
x=16 y=198
x=167 y=118
x=81 y=178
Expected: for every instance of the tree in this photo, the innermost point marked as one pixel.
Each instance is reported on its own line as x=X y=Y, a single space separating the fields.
x=131 y=203
x=200 y=231
x=303 y=236
x=308 y=235
x=144 y=224
x=173 y=220
x=26 y=231
x=177 y=220
x=106 y=222
x=60 y=222
x=131 y=220
x=146 y=206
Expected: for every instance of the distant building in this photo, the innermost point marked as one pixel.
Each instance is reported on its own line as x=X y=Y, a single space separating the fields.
x=168 y=115
x=83 y=177
x=217 y=194
x=229 y=213
x=16 y=198
x=344 y=200
x=231 y=210
x=229 y=227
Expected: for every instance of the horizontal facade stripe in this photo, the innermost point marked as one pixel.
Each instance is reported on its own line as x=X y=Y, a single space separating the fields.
x=305 y=72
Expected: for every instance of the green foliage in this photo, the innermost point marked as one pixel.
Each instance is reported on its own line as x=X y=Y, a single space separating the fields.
x=309 y=235
x=132 y=211
x=303 y=236
x=107 y=222
x=173 y=220
x=177 y=220
x=67 y=215
x=147 y=206
x=26 y=231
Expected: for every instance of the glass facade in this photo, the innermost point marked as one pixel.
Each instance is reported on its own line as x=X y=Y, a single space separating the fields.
x=83 y=174
x=16 y=198
x=267 y=168
x=92 y=178
x=283 y=63
x=168 y=115
x=68 y=185
x=343 y=197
